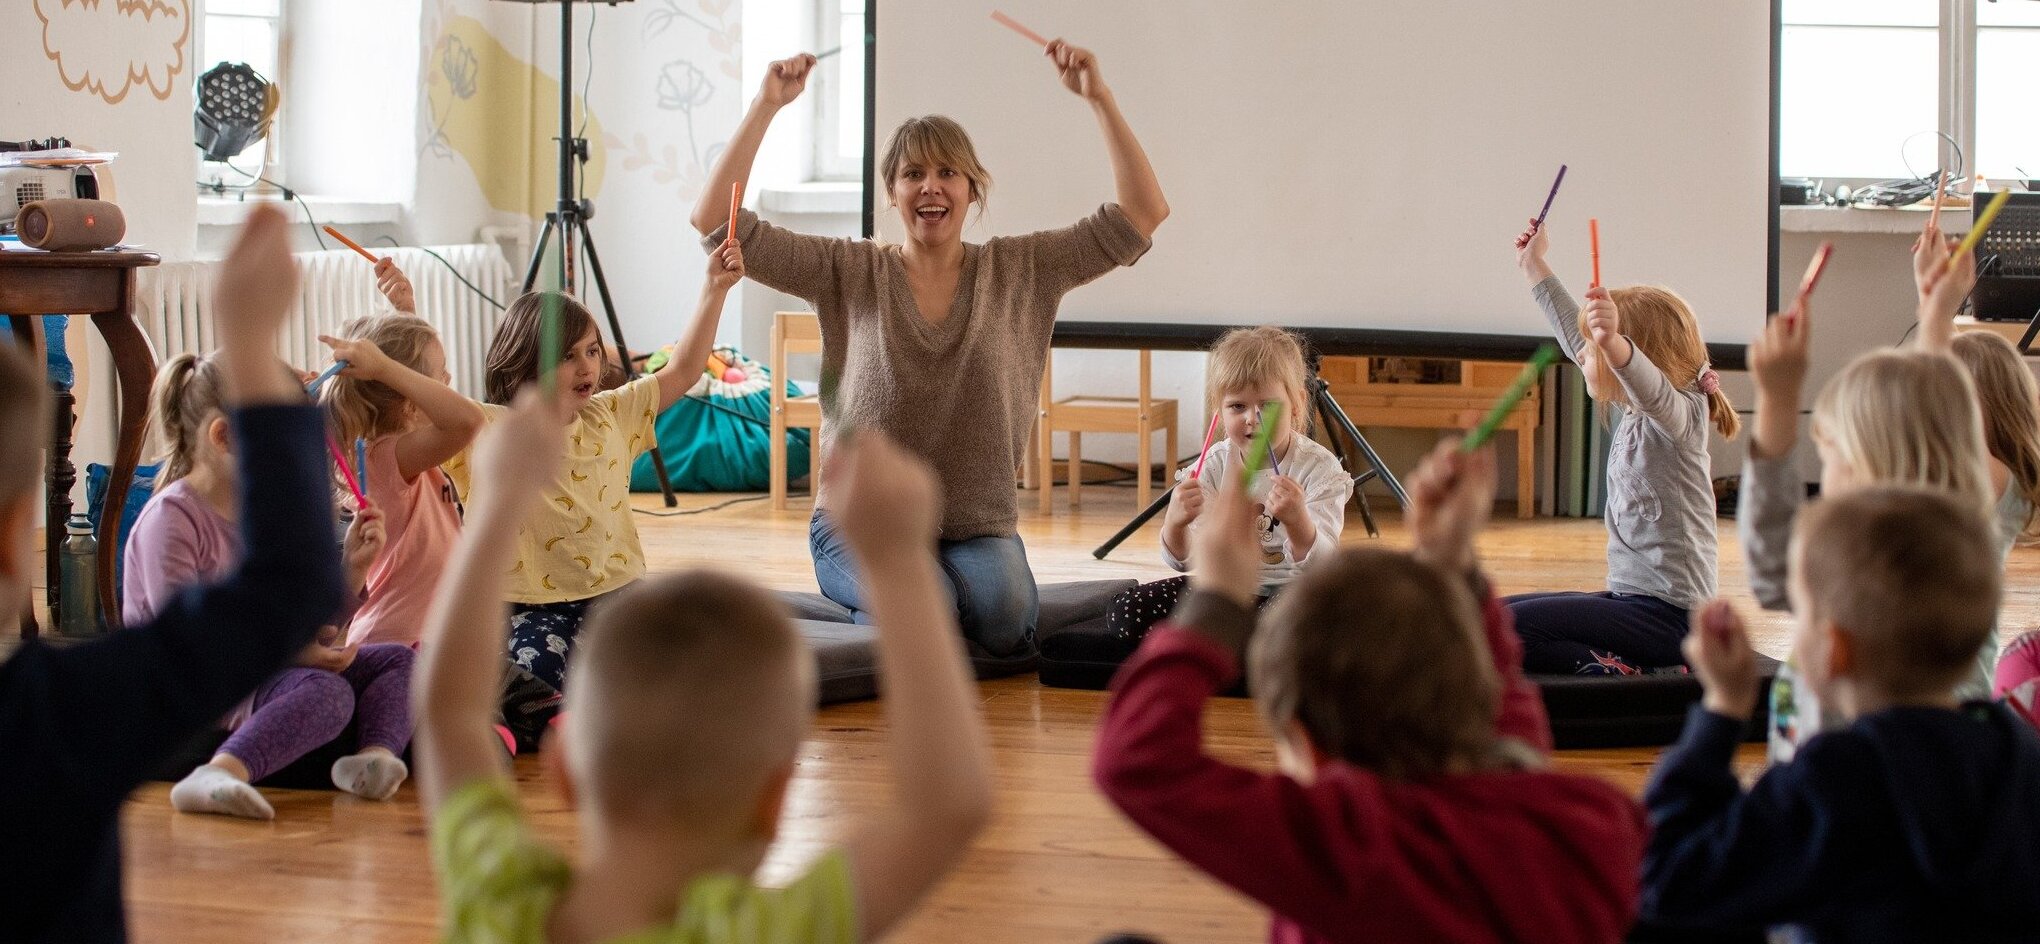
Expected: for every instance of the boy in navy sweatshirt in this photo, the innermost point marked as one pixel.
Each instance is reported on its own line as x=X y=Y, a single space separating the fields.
x=82 y=725
x=1412 y=802
x=1918 y=821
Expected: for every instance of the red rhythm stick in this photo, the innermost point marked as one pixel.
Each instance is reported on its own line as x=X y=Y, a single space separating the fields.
x=736 y=201
x=351 y=244
x=1594 y=246
x=1813 y=271
x=1213 y=431
x=1014 y=25
x=332 y=446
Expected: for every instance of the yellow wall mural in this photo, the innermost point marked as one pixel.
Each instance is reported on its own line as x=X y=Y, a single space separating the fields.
x=107 y=47
x=500 y=114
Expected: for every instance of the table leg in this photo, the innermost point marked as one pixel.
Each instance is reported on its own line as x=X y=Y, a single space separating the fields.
x=134 y=366
x=28 y=333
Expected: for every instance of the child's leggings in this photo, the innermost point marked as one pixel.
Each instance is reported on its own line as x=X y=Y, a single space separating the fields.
x=2018 y=676
x=1565 y=633
x=300 y=710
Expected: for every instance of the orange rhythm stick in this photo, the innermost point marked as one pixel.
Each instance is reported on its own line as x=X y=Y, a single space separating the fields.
x=351 y=244
x=736 y=201
x=1594 y=246
x=1941 y=188
x=1014 y=25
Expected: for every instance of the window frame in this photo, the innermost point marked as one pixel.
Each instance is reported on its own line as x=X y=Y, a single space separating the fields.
x=825 y=162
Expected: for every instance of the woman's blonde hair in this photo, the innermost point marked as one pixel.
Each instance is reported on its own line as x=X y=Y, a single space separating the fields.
x=1662 y=326
x=1907 y=418
x=371 y=409
x=187 y=399
x=936 y=141
x=1245 y=358
x=2010 y=401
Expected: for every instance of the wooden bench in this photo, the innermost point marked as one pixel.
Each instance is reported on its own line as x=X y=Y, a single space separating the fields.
x=1430 y=393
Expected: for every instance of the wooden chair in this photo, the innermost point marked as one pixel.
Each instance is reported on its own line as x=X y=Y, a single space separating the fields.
x=1141 y=415
x=794 y=332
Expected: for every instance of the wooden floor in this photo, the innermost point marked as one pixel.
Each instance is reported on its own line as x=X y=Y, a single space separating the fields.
x=1056 y=865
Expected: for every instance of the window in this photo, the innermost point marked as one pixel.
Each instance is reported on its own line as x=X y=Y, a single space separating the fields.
x=839 y=91
x=240 y=31
x=1864 y=84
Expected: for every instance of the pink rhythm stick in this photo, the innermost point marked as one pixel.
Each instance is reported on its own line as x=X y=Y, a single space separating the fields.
x=360 y=500
x=1213 y=431
x=1014 y=25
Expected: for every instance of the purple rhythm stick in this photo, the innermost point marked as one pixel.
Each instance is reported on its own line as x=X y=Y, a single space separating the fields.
x=1553 y=196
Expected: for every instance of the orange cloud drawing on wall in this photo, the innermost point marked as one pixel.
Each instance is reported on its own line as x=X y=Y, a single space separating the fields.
x=107 y=47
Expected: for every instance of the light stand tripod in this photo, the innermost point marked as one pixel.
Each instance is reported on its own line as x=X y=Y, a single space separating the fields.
x=570 y=217
x=1332 y=417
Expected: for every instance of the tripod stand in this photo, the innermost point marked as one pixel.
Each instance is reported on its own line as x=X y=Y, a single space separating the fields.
x=569 y=218
x=1332 y=417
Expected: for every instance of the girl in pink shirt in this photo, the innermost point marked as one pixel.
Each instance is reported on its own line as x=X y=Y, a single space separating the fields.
x=394 y=395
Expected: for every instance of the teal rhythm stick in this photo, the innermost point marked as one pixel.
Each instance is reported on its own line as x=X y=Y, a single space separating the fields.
x=1547 y=354
x=1257 y=450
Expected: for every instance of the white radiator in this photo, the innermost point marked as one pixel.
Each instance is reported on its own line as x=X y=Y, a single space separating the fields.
x=173 y=304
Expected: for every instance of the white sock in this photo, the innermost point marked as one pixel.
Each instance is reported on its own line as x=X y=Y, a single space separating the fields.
x=210 y=789
x=371 y=775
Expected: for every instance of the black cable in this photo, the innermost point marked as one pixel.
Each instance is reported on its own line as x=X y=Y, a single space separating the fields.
x=700 y=511
x=449 y=267
x=587 y=81
x=288 y=194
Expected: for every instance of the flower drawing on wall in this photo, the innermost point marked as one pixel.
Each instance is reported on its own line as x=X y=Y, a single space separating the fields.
x=108 y=47
x=713 y=16
x=457 y=62
x=682 y=86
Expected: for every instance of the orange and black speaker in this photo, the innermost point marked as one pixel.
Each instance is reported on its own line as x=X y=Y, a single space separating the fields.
x=70 y=225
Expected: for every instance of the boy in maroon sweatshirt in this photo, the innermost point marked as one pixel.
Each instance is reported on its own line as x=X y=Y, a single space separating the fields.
x=1412 y=804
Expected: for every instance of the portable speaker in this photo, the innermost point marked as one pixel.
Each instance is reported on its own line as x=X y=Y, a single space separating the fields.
x=70 y=225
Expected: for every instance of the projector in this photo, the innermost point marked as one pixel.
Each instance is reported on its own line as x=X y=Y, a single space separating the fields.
x=21 y=186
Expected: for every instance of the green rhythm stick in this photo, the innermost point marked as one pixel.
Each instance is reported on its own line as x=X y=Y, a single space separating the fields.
x=1257 y=451
x=549 y=340
x=1547 y=354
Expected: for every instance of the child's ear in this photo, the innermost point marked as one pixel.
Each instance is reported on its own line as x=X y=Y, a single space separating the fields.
x=771 y=803
x=1841 y=652
x=217 y=433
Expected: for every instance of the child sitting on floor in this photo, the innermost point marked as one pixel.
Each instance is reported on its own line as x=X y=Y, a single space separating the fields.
x=1412 y=803
x=1915 y=820
x=1301 y=500
x=689 y=698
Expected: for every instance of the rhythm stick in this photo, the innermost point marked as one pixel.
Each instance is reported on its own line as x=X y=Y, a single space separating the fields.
x=1813 y=271
x=351 y=244
x=1547 y=200
x=1940 y=188
x=1594 y=246
x=736 y=201
x=361 y=457
x=1014 y=25
x=1257 y=451
x=333 y=446
x=1213 y=431
x=1982 y=223
x=313 y=387
x=1547 y=354
x=824 y=55
x=549 y=342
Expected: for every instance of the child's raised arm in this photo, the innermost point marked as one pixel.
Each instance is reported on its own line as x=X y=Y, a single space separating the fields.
x=1138 y=191
x=941 y=765
x=453 y=419
x=1941 y=291
x=725 y=270
x=460 y=670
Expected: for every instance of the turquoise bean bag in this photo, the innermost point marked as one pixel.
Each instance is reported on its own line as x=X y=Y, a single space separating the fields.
x=716 y=438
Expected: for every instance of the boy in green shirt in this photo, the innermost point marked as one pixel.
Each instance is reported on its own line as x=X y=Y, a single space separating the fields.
x=690 y=695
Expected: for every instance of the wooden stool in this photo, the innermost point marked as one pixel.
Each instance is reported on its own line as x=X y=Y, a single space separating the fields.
x=794 y=332
x=1140 y=415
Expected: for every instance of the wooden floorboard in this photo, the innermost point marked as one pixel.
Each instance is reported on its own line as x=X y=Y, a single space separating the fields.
x=1055 y=865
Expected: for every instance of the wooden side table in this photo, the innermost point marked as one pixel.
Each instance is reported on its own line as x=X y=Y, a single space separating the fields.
x=102 y=285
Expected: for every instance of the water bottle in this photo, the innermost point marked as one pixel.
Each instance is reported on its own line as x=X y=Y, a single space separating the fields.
x=79 y=569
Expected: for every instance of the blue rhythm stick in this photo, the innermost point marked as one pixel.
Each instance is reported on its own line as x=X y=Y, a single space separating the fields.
x=361 y=458
x=319 y=381
x=1550 y=197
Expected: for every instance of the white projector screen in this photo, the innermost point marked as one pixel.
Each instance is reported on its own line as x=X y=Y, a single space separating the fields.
x=1366 y=163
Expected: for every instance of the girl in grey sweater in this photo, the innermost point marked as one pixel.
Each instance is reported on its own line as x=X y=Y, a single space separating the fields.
x=1641 y=349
